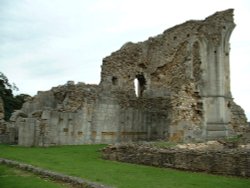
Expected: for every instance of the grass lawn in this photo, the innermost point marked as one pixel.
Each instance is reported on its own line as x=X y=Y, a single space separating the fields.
x=14 y=178
x=84 y=161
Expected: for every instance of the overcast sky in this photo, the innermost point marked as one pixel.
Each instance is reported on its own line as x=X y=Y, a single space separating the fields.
x=45 y=43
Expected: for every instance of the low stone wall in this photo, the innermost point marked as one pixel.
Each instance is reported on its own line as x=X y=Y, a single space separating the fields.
x=235 y=162
x=75 y=181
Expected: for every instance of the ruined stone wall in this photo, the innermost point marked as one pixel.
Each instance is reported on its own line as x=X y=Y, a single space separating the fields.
x=7 y=132
x=189 y=66
x=174 y=86
x=234 y=162
x=61 y=116
x=238 y=119
x=78 y=113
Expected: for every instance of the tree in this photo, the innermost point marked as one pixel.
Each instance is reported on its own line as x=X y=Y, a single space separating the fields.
x=10 y=101
x=4 y=81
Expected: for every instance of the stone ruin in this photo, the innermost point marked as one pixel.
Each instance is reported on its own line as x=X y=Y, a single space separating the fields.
x=175 y=86
x=8 y=131
x=210 y=157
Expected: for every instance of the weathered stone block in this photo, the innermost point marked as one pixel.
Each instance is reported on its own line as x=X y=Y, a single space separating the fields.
x=46 y=114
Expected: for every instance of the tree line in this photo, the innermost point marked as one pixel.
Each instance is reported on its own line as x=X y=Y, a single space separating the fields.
x=10 y=101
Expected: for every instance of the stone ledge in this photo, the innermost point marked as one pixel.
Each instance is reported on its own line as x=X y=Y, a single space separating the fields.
x=232 y=162
x=75 y=181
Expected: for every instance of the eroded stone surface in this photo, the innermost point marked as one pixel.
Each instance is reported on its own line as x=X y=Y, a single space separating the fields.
x=182 y=93
x=206 y=157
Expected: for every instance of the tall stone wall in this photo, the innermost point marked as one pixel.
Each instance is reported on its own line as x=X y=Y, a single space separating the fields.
x=174 y=86
x=77 y=114
x=188 y=65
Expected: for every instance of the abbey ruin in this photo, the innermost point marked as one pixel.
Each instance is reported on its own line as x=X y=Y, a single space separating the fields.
x=183 y=93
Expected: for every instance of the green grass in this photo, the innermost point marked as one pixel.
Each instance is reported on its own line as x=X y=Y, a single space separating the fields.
x=164 y=144
x=84 y=161
x=13 y=178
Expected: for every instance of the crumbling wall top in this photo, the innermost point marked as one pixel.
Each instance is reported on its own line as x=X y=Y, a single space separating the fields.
x=69 y=97
x=163 y=60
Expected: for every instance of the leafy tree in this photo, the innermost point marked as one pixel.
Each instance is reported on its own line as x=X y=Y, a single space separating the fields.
x=10 y=101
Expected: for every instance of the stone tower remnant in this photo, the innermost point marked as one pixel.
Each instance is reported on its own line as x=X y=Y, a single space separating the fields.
x=182 y=93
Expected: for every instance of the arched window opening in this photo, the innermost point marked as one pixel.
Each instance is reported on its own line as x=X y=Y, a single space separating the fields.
x=140 y=85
